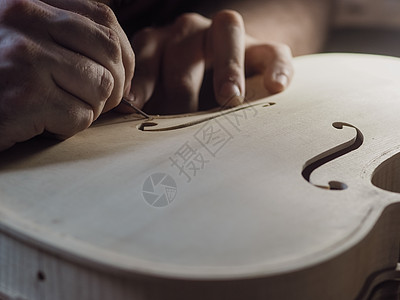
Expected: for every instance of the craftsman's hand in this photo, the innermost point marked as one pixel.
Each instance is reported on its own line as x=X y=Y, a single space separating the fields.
x=171 y=62
x=62 y=63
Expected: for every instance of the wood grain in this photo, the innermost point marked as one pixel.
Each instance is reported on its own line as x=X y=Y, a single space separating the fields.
x=242 y=224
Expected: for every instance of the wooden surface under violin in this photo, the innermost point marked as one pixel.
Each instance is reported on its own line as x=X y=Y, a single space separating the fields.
x=291 y=196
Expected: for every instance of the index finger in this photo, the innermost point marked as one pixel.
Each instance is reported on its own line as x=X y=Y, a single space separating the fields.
x=228 y=49
x=103 y=15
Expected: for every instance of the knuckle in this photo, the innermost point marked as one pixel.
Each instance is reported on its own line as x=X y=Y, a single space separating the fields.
x=145 y=42
x=106 y=84
x=105 y=14
x=280 y=51
x=113 y=45
x=19 y=51
x=185 y=23
x=22 y=47
x=63 y=20
x=78 y=119
x=283 y=48
x=66 y=118
x=144 y=35
x=20 y=100
x=234 y=64
x=186 y=19
x=184 y=83
x=14 y=8
x=228 y=17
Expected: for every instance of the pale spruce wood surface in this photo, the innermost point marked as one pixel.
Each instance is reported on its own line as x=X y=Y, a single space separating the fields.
x=249 y=214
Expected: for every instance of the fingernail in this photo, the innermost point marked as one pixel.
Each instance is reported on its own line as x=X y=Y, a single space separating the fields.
x=282 y=79
x=130 y=97
x=135 y=96
x=230 y=92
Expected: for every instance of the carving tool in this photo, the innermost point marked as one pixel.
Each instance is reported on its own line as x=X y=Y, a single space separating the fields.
x=129 y=103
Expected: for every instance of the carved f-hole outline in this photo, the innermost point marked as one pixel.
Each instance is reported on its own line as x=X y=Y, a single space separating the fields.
x=332 y=154
x=151 y=125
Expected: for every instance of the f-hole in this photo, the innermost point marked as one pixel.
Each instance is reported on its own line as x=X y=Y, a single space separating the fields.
x=152 y=125
x=332 y=154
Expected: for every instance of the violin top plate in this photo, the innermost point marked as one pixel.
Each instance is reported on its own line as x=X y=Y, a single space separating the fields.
x=221 y=198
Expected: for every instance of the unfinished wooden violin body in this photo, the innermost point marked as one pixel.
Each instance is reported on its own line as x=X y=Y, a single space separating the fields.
x=294 y=196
